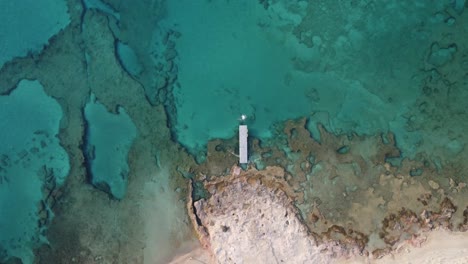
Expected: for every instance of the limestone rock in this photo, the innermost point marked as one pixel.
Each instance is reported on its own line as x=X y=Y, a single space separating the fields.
x=249 y=222
x=434 y=185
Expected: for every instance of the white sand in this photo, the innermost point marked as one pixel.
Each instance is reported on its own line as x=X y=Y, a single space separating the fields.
x=441 y=247
x=165 y=220
x=197 y=255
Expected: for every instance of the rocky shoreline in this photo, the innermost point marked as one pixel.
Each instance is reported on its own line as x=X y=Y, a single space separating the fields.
x=250 y=217
x=268 y=210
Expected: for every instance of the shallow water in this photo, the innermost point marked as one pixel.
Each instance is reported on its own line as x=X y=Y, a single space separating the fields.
x=126 y=97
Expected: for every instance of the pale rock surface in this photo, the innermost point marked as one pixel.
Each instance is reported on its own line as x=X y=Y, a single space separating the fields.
x=248 y=222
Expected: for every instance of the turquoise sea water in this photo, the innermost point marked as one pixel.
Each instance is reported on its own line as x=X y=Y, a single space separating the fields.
x=364 y=67
x=31 y=157
x=272 y=64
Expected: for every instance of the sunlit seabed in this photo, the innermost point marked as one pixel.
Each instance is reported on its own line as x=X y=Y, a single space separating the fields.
x=355 y=67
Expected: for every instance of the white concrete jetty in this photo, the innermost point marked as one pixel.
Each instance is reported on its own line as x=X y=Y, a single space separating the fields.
x=243 y=153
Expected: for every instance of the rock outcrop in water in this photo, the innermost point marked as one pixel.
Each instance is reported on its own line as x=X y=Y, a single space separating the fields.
x=250 y=217
x=341 y=203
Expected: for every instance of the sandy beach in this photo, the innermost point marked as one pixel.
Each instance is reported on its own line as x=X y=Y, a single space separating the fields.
x=441 y=247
